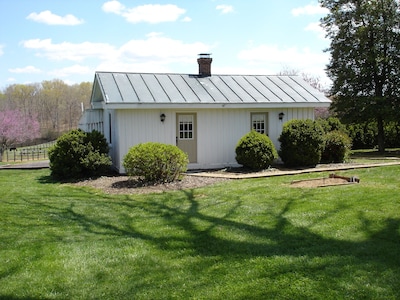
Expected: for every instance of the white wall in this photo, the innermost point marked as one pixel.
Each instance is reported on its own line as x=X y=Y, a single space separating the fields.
x=218 y=131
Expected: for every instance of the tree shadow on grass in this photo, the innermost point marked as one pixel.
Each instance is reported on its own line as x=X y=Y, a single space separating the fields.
x=284 y=238
x=219 y=233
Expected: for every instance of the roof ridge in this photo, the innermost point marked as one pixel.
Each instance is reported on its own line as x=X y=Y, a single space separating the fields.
x=195 y=75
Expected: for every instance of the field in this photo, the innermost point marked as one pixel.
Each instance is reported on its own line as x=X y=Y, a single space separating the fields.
x=240 y=239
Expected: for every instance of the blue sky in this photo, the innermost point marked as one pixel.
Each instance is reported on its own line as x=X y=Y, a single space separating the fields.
x=70 y=40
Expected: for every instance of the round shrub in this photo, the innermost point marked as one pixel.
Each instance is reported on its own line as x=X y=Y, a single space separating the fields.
x=155 y=162
x=79 y=154
x=255 y=151
x=337 y=147
x=302 y=143
x=331 y=124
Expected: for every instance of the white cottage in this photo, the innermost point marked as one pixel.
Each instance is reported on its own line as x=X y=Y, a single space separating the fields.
x=203 y=114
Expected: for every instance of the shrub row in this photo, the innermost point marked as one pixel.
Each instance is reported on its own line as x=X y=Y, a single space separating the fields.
x=307 y=142
x=303 y=143
x=79 y=154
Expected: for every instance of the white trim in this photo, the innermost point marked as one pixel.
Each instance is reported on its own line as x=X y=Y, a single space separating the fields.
x=215 y=105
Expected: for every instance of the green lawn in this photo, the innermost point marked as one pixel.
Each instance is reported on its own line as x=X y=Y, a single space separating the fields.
x=242 y=239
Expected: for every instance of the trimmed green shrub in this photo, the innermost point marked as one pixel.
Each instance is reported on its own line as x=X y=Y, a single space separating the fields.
x=97 y=140
x=302 y=143
x=155 y=162
x=79 y=154
x=255 y=151
x=337 y=147
x=331 y=124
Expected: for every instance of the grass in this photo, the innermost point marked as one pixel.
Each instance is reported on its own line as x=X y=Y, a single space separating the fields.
x=373 y=155
x=243 y=239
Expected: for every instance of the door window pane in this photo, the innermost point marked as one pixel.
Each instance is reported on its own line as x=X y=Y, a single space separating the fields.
x=186 y=127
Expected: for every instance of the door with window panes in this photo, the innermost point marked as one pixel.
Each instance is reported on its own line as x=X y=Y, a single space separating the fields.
x=259 y=122
x=186 y=135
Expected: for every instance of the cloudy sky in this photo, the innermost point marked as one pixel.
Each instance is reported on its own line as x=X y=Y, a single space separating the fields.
x=70 y=40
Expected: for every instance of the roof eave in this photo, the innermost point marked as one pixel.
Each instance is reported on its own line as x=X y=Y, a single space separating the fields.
x=214 y=105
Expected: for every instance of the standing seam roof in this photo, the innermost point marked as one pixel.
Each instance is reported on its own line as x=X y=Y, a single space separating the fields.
x=187 y=87
x=179 y=90
x=182 y=88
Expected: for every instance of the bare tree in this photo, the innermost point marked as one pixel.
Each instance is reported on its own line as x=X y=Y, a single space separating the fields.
x=56 y=105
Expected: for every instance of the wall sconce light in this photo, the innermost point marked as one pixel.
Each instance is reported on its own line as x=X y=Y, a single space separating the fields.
x=281 y=115
x=162 y=117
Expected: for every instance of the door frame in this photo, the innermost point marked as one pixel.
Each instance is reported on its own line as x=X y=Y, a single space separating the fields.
x=186 y=134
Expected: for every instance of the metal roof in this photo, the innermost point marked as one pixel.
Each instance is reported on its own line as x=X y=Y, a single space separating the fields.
x=148 y=88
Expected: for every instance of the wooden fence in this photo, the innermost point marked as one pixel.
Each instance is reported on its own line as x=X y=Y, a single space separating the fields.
x=38 y=152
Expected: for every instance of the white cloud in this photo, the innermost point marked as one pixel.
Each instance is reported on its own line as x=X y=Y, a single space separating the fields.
x=27 y=70
x=113 y=7
x=187 y=19
x=151 y=54
x=311 y=9
x=69 y=51
x=158 y=47
x=72 y=70
x=225 y=9
x=1 y=50
x=277 y=59
x=154 y=54
x=148 y=13
x=47 y=17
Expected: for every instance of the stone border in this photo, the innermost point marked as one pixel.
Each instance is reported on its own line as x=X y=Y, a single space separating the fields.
x=282 y=172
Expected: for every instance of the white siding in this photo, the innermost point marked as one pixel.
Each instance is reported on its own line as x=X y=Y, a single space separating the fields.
x=218 y=131
x=140 y=126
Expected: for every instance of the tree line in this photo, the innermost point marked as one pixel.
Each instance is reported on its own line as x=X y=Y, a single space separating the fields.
x=55 y=105
x=364 y=68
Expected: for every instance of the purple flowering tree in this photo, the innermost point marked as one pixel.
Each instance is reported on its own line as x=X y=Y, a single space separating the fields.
x=16 y=128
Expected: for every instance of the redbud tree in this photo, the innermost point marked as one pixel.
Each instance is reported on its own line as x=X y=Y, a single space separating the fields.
x=16 y=128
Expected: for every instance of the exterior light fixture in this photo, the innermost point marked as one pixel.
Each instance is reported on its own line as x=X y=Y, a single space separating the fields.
x=281 y=115
x=162 y=117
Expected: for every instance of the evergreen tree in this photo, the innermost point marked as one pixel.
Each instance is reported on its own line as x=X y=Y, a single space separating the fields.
x=365 y=60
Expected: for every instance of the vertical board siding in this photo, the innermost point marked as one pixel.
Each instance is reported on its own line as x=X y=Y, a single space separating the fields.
x=141 y=126
x=218 y=131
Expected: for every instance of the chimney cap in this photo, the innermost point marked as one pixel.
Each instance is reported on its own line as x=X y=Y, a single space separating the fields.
x=204 y=55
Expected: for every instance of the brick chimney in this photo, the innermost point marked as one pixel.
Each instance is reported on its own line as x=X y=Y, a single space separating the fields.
x=204 y=62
